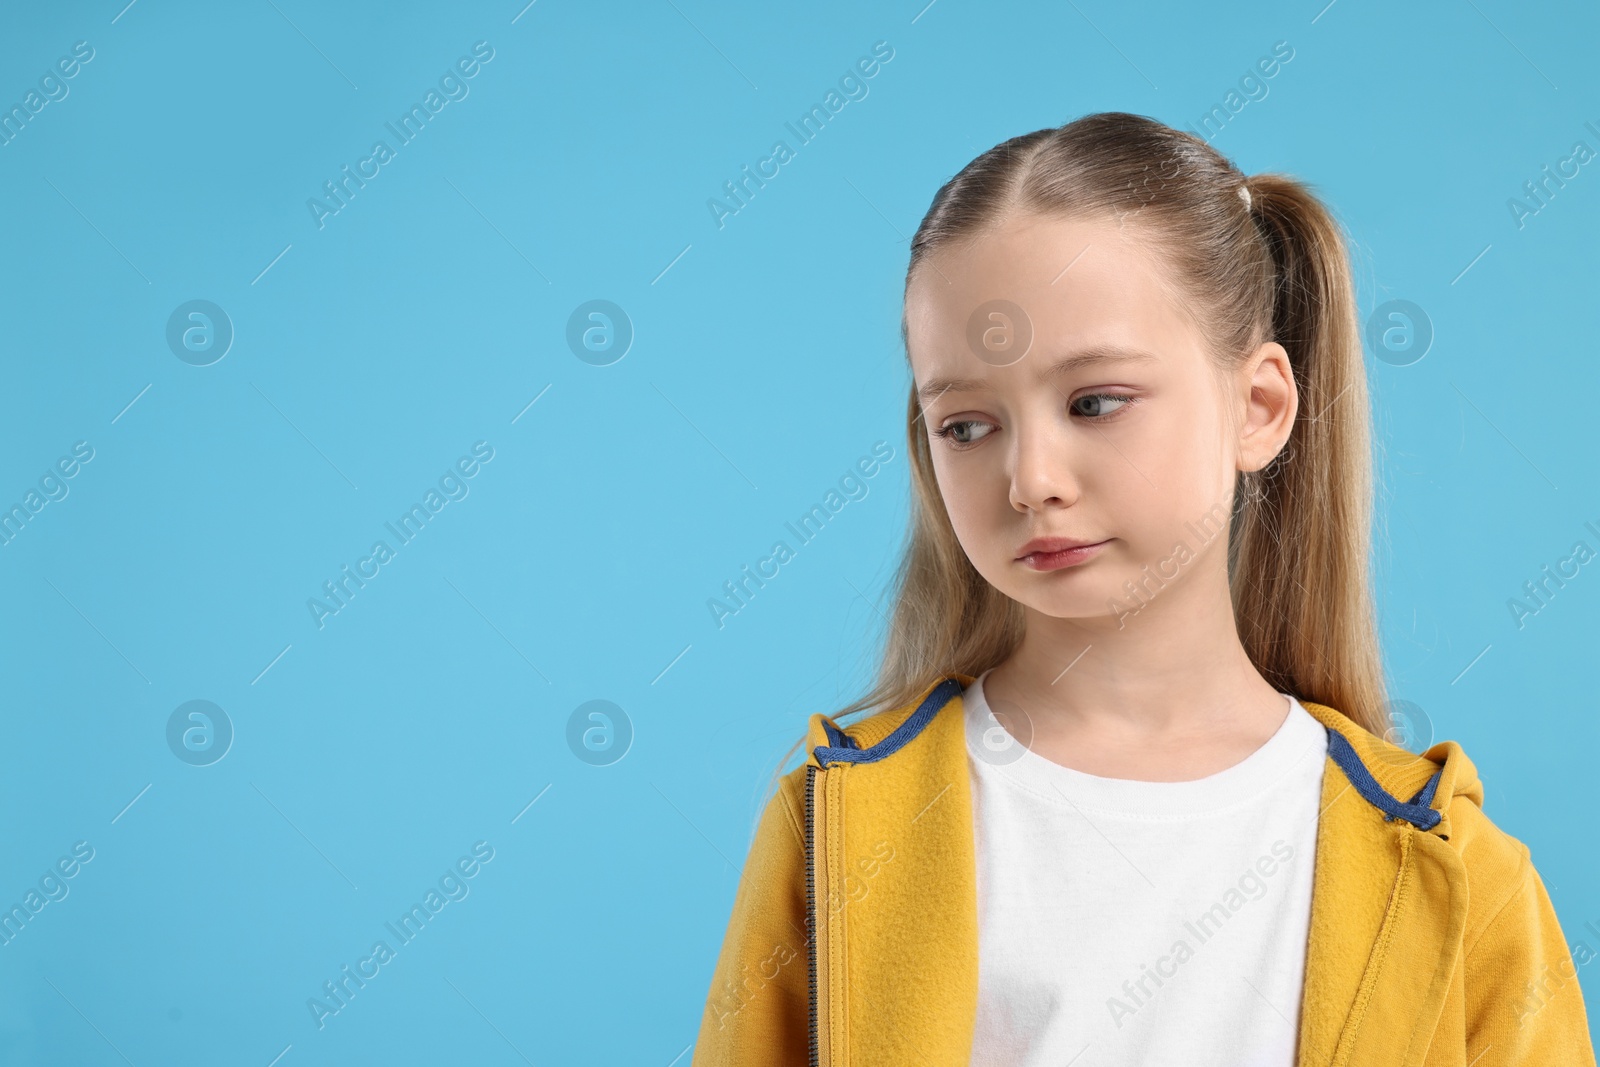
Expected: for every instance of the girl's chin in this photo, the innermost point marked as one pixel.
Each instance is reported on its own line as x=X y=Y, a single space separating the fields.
x=1084 y=608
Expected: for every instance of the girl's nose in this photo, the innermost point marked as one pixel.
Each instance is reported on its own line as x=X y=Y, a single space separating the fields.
x=1042 y=475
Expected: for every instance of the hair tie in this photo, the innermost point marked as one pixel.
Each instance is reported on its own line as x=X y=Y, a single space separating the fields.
x=1244 y=193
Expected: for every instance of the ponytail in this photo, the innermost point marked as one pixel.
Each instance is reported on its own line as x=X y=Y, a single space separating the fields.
x=1299 y=546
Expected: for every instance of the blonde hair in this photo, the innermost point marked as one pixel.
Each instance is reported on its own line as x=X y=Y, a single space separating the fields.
x=1258 y=259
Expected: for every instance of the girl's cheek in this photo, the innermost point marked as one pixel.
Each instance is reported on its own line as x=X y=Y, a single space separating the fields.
x=976 y=528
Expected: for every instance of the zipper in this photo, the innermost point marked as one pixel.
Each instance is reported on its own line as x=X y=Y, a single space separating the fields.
x=811 y=910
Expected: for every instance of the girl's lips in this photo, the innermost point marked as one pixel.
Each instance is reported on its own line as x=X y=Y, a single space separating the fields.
x=1053 y=561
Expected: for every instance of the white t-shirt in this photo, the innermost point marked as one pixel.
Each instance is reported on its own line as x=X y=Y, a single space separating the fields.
x=1124 y=922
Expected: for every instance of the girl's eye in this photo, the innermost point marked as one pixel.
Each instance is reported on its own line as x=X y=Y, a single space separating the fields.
x=964 y=433
x=1099 y=398
x=961 y=432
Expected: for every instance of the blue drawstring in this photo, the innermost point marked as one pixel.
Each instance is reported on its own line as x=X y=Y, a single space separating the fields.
x=1417 y=811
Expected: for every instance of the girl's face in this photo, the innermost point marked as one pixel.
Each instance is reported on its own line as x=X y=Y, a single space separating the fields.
x=1112 y=428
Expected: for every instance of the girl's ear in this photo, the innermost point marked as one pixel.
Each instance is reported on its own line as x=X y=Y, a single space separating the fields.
x=1270 y=401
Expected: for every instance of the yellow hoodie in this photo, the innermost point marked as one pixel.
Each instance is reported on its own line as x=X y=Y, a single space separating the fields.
x=1432 y=941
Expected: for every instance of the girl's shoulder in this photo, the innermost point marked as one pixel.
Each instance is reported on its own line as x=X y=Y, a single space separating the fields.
x=1438 y=791
x=895 y=742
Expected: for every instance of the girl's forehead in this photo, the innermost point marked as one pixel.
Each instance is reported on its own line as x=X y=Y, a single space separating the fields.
x=1041 y=263
x=1051 y=247
x=1057 y=284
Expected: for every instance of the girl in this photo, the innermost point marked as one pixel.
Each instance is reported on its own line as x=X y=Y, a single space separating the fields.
x=1126 y=796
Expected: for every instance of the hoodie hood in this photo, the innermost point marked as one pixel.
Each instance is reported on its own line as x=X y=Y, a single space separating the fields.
x=1396 y=781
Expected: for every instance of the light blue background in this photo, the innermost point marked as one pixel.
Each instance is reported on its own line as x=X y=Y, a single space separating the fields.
x=428 y=313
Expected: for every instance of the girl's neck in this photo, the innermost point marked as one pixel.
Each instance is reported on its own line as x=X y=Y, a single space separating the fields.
x=1167 y=695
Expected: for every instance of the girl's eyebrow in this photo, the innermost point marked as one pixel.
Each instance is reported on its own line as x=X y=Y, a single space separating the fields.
x=1094 y=355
